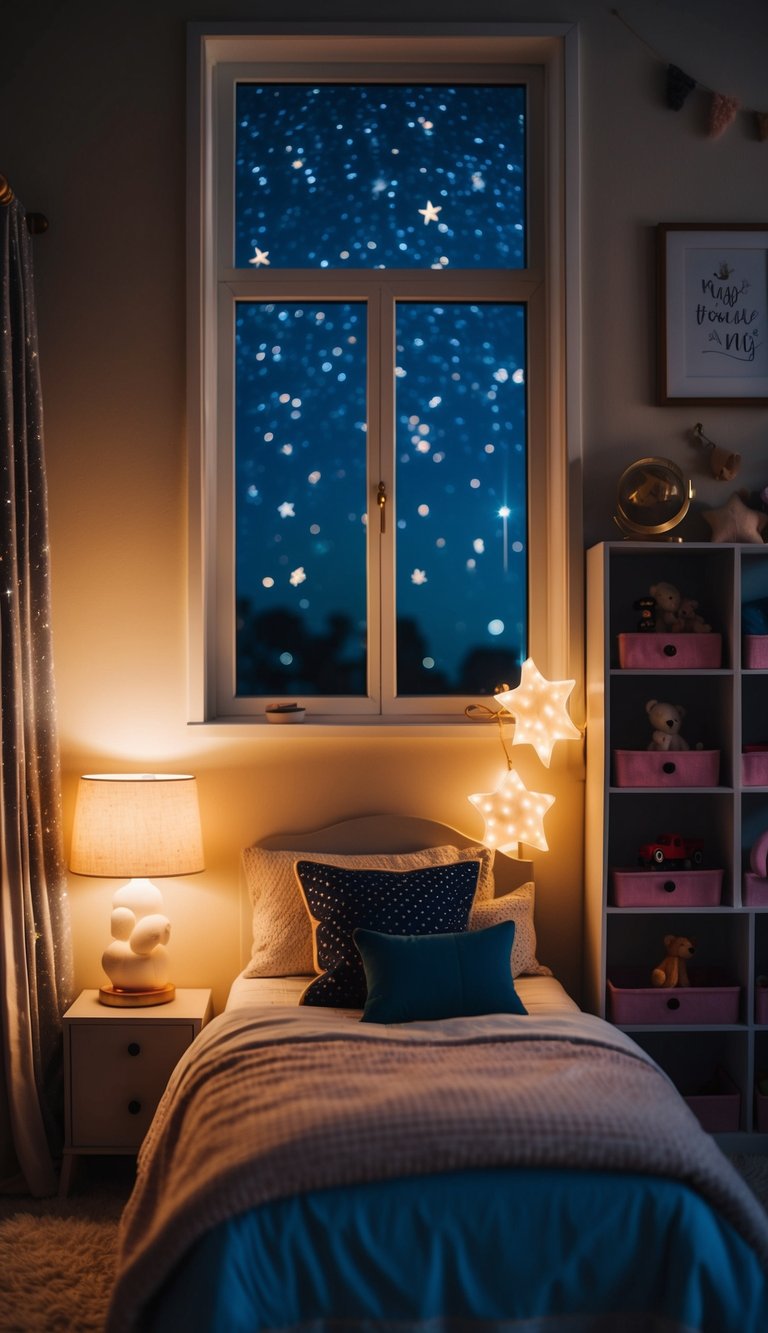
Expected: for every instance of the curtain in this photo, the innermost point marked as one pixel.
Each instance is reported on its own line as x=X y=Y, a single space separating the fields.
x=35 y=942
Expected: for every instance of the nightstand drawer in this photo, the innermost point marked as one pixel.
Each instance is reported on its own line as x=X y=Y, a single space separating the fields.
x=118 y=1074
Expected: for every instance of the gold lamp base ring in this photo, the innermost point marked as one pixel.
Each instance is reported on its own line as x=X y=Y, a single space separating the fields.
x=135 y=999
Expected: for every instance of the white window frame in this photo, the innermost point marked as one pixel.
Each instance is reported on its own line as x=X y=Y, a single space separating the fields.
x=219 y=56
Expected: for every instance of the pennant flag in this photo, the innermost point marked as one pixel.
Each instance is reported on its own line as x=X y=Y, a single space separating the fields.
x=722 y=113
x=679 y=85
x=761 y=125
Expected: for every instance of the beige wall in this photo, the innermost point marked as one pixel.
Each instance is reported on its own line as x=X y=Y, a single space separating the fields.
x=92 y=107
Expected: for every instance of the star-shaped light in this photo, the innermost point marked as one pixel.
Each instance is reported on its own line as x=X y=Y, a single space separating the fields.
x=418 y=577
x=297 y=576
x=260 y=257
x=285 y=510
x=513 y=814
x=538 y=707
x=430 y=213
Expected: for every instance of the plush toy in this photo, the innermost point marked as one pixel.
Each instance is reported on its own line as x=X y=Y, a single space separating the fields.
x=691 y=621
x=667 y=598
x=666 y=720
x=736 y=522
x=673 y=971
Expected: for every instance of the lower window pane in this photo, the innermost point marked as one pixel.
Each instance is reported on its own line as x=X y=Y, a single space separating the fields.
x=300 y=498
x=461 y=479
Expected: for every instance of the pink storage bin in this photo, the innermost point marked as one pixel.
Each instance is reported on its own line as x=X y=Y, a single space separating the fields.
x=666 y=768
x=718 y=1109
x=755 y=651
x=666 y=888
x=755 y=890
x=761 y=1004
x=651 y=650
x=754 y=768
x=708 y=1000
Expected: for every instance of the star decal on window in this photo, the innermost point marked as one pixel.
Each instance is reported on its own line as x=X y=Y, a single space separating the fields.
x=430 y=212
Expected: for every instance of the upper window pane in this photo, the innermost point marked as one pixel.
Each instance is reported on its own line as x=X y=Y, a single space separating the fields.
x=380 y=176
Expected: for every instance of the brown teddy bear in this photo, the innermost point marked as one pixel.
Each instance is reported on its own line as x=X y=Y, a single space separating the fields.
x=667 y=598
x=673 y=971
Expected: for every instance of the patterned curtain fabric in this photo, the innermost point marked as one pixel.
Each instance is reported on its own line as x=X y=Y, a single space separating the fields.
x=35 y=942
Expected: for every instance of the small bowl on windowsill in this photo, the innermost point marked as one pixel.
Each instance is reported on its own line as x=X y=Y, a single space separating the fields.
x=285 y=713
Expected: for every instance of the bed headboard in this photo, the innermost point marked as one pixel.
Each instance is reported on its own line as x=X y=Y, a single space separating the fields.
x=381 y=833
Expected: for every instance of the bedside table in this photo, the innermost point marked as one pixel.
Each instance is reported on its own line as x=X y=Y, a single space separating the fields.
x=116 y=1065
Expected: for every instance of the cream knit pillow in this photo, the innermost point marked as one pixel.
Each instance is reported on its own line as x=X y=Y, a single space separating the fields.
x=282 y=934
x=518 y=907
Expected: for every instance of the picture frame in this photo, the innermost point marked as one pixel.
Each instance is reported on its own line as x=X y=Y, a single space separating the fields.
x=712 y=313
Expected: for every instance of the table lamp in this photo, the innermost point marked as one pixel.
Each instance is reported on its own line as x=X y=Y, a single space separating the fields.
x=137 y=825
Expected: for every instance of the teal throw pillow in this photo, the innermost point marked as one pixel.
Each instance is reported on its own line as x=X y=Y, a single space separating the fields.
x=459 y=975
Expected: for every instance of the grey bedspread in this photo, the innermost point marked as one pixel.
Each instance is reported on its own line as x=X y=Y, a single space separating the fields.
x=301 y=1099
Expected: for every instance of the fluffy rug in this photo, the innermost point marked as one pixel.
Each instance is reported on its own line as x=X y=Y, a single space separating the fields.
x=57 y=1255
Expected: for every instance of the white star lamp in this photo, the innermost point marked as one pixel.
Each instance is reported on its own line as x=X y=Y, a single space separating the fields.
x=538 y=707
x=136 y=825
x=513 y=814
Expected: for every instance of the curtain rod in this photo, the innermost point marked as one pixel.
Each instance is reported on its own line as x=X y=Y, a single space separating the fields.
x=36 y=222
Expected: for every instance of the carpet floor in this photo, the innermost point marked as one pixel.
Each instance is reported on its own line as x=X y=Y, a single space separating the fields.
x=57 y=1256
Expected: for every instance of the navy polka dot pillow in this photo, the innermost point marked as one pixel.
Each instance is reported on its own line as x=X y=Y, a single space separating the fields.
x=433 y=901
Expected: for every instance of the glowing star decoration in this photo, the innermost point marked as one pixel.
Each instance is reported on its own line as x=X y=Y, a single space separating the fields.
x=513 y=814
x=297 y=576
x=418 y=577
x=430 y=213
x=285 y=510
x=538 y=707
x=260 y=257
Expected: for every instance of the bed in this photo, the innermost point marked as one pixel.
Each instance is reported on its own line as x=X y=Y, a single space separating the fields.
x=318 y=1166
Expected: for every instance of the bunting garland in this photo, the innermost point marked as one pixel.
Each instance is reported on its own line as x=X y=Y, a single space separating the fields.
x=723 y=109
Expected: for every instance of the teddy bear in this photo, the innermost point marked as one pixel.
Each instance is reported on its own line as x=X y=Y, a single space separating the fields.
x=666 y=720
x=667 y=598
x=673 y=971
x=690 y=620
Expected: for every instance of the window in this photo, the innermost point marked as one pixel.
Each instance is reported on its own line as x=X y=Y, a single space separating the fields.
x=371 y=376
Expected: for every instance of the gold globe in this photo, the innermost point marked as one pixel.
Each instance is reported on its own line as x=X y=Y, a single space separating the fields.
x=653 y=496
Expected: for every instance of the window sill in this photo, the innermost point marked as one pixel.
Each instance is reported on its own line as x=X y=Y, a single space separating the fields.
x=440 y=725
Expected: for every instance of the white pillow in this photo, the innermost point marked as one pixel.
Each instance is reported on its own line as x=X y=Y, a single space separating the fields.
x=282 y=933
x=516 y=906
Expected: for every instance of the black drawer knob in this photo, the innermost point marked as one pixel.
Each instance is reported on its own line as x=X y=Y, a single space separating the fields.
x=670 y=650
x=669 y=886
x=134 y=1107
x=134 y=1048
x=669 y=767
x=673 y=1003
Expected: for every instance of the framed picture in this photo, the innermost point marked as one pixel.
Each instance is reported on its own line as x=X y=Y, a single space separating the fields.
x=713 y=313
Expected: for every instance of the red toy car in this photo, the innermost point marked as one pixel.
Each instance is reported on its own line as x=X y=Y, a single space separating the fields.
x=672 y=849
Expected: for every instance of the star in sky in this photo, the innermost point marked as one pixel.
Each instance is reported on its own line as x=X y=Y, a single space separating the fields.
x=285 y=510
x=538 y=707
x=513 y=814
x=260 y=257
x=430 y=212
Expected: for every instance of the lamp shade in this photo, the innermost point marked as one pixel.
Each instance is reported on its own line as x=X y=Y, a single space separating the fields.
x=137 y=825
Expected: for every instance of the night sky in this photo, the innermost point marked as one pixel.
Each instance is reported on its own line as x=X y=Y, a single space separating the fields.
x=380 y=176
